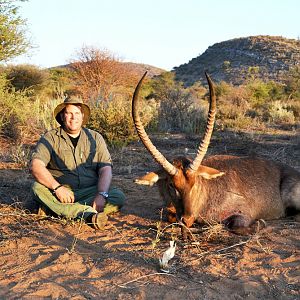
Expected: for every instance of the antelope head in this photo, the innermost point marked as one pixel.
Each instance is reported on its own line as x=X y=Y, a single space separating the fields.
x=180 y=181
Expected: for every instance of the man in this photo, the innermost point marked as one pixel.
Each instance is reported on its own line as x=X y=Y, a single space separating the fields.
x=73 y=168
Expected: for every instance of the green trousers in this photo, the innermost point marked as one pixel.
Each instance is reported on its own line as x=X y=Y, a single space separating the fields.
x=81 y=208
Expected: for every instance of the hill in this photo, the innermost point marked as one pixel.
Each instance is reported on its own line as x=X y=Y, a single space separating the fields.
x=269 y=57
x=140 y=69
x=137 y=69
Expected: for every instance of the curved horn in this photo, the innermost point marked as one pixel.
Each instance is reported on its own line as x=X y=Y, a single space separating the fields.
x=168 y=167
x=209 y=127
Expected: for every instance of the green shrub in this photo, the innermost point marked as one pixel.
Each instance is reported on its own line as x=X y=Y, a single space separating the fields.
x=223 y=89
x=233 y=104
x=295 y=108
x=226 y=65
x=22 y=118
x=242 y=123
x=259 y=93
x=61 y=82
x=44 y=112
x=16 y=118
x=114 y=121
x=195 y=119
x=178 y=108
x=279 y=113
x=27 y=78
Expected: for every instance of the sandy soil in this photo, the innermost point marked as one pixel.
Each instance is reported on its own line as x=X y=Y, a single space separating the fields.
x=50 y=258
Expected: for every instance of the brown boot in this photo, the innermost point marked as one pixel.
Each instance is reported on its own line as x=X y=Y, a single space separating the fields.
x=98 y=220
x=42 y=211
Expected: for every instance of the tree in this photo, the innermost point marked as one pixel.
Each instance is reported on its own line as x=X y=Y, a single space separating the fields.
x=99 y=74
x=27 y=77
x=13 y=40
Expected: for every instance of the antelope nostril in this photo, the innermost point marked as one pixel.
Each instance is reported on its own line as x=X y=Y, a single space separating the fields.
x=184 y=221
x=188 y=221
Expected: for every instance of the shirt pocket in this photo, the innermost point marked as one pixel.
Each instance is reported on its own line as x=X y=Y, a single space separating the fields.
x=65 y=159
x=89 y=158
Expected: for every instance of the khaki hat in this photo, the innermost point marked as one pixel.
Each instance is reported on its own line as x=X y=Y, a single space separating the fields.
x=76 y=101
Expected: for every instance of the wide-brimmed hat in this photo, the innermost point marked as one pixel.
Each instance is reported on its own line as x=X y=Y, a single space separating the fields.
x=76 y=101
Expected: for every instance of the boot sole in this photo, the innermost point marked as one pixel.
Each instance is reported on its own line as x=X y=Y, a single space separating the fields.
x=99 y=220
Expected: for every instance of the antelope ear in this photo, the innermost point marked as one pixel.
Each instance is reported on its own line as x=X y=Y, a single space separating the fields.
x=148 y=179
x=209 y=173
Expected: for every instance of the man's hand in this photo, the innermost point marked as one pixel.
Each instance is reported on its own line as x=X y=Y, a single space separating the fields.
x=64 y=195
x=43 y=176
x=99 y=203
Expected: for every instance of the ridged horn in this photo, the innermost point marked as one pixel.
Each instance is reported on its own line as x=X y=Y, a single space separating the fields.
x=209 y=127
x=168 y=167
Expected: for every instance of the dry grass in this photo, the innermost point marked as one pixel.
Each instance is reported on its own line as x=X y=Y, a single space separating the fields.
x=124 y=258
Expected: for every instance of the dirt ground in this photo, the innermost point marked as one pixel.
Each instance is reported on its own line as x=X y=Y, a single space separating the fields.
x=51 y=258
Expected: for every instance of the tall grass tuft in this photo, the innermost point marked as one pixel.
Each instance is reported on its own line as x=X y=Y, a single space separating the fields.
x=279 y=113
x=114 y=121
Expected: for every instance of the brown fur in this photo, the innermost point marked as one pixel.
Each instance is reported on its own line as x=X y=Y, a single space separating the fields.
x=233 y=190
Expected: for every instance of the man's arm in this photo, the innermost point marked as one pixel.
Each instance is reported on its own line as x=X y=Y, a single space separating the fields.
x=104 y=181
x=43 y=176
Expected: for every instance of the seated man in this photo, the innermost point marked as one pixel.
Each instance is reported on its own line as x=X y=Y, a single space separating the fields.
x=73 y=168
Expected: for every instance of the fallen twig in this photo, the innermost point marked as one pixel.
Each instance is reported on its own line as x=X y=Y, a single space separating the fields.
x=201 y=255
x=124 y=285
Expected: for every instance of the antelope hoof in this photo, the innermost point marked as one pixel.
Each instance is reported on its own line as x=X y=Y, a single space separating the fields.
x=188 y=221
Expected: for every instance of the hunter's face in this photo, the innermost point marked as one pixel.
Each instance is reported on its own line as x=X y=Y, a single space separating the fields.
x=72 y=118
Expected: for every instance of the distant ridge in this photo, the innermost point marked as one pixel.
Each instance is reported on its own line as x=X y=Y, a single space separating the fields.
x=271 y=56
x=136 y=68
x=139 y=69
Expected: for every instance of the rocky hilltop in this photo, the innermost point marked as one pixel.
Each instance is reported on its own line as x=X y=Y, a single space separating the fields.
x=234 y=61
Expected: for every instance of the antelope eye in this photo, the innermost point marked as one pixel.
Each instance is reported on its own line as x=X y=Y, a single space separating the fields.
x=172 y=187
x=173 y=191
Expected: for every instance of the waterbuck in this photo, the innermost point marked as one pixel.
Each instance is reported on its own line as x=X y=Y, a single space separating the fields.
x=231 y=190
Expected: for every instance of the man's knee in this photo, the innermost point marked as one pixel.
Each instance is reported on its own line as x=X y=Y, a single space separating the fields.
x=117 y=197
x=122 y=198
x=37 y=187
x=40 y=192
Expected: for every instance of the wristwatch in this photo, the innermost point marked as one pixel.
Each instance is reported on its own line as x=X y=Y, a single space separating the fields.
x=104 y=194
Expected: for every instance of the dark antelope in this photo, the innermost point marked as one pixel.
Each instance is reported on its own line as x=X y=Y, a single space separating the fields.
x=231 y=190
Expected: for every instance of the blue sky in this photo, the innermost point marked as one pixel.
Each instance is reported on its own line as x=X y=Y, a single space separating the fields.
x=162 y=33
